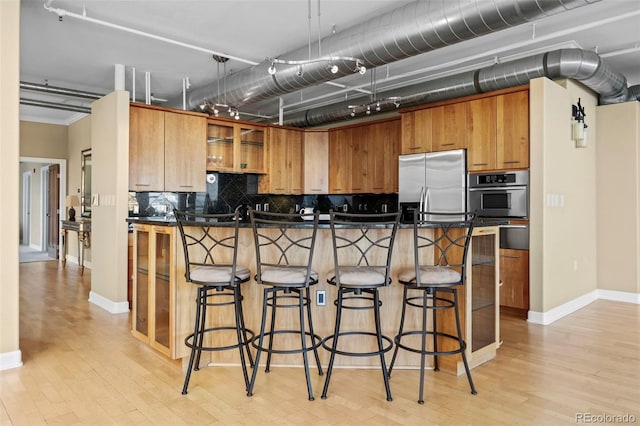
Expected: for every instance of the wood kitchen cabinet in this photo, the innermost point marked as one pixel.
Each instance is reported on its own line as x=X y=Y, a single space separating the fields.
x=154 y=285
x=384 y=147
x=481 y=133
x=449 y=127
x=340 y=161
x=514 y=274
x=512 y=131
x=316 y=162
x=416 y=132
x=235 y=147
x=166 y=150
x=184 y=153
x=146 y=149
x=360 y=159
x=284 y=162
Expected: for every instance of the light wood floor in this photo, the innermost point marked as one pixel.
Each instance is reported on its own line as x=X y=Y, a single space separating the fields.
x=81 y=366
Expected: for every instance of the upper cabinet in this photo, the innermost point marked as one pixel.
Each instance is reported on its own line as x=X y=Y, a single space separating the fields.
x=416 y=132
x=481 y=131
x=449 y=129
x=184 y=153
x=316 y=162
x=235 y=147
x=166 y=150
x=513 y=130
x=493 y=127
x=364 y=158
x=146 y=149
x=284 y=166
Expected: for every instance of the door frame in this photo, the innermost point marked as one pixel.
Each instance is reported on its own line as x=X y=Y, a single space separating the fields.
x=63 y=185
x=44 y=202
x=26 y=209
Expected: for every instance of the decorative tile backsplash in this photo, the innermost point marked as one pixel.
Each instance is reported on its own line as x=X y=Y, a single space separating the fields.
x=226 y=191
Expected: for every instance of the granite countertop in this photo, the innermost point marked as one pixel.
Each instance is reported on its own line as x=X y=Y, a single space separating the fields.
x=323 y=224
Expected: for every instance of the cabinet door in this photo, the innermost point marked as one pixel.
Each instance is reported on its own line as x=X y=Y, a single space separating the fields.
x=384 y=142
x=513 y=130
x=146 y=149
x=219 y=146
x=284 y=174
x=185 y=152
x=360 y=153
x=161 y=286
x=140 y=302
x=481 y=130
x=483 y=297
x=340 y=161
x=449 y=127
x=249 y=148
x=514 y=274
x=416 y=132
x=316 y=162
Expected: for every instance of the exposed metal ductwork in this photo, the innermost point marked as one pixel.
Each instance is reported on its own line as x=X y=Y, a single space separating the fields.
x=413 y=29
x=584 y=66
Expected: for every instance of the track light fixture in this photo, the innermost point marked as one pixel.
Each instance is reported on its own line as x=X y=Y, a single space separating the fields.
x=331 y=64
x=379 y=105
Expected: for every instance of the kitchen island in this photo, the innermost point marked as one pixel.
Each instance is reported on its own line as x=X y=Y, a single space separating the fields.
x=164 y=303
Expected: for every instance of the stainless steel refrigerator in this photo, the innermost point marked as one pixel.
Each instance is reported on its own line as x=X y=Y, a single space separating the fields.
x=435 y=182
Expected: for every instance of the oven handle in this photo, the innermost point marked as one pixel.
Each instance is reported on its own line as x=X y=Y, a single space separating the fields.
x=515 y=226
x=501 y=188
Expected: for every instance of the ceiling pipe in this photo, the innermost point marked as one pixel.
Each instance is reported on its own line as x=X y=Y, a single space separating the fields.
x=581 y=65
x=53 y=90
x=54 y=105
x=407 y=31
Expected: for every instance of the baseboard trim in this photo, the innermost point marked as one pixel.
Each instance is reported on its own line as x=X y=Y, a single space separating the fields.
x=552 y=315
x=108 y=305
x=10 y=360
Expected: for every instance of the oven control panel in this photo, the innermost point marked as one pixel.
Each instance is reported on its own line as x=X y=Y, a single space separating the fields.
x=482 y=180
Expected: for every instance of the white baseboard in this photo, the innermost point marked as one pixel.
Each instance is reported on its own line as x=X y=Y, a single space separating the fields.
x=548 y=317
x=10 y=360
x=74 y=259
x=108 y=305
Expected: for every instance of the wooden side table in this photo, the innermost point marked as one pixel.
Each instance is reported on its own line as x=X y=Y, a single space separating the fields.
x=83 y=229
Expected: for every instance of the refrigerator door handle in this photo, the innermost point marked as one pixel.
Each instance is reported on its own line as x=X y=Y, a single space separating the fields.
x=426 y=199
x=421 y=206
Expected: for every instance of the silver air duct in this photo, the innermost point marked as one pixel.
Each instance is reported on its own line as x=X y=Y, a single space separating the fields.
x=415 y=28
x=584 y=66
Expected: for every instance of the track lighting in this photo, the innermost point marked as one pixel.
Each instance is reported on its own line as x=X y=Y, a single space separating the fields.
x=378 y=108
x=300 y=72
x=362 y=69
x=330 y=66
x=272 y=69
x=333 y=68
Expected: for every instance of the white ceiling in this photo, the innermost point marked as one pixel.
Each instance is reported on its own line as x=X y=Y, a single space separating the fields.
x=81 y=55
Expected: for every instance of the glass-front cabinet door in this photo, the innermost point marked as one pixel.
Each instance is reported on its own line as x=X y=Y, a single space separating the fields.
x=220 y=151
x=140 y=304
x=483 y=301
x=252 y=156
x=162 y=289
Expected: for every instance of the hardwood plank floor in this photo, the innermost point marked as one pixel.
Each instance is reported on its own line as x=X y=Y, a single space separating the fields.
x=82 y=366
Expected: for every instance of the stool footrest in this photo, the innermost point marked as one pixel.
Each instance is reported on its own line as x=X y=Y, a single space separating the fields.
x=436 y=334
x=188 y=341
x=316 y=341
x=358 y=354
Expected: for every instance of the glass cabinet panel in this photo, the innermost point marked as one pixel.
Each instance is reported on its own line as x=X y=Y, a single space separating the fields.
x=219 y=146
x=141 y=309
x=483 y=291
x=162 y=281
x=251 y=149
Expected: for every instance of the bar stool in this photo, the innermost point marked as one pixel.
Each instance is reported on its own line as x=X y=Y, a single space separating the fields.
x=362 y=248
x=284 y=253
x=210 y=249
x=441 y=242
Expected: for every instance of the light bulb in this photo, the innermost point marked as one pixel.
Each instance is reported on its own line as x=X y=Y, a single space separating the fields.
x=237 y=116
x=272 y=69
x=362 y=70
x=334 y=69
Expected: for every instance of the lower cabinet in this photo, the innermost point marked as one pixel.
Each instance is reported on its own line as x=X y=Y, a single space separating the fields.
x=479 y=304
x=514 y=274
x=154 y=286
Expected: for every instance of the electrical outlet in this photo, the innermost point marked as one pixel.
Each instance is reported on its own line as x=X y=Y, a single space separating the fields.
x=321 y=299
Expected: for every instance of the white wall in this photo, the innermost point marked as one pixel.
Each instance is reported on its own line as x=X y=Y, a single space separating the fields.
x=563 y=196
x=10 y=355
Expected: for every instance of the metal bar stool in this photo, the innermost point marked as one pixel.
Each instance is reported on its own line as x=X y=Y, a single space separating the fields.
x=210 y=250
x=284 y=253
x=362 y=248
x=441 y=243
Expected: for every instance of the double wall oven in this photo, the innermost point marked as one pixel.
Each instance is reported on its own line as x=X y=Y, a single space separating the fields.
x=503 y=195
